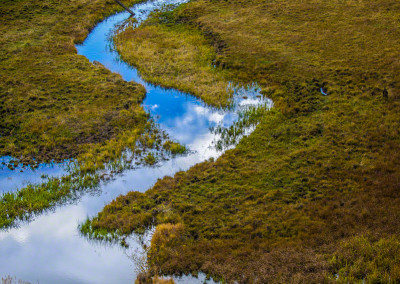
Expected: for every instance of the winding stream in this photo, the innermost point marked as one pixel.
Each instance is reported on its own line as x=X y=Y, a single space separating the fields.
x=49 y=249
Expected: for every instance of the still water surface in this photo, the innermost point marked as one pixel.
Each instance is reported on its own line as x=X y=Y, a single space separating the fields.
x=50 y=249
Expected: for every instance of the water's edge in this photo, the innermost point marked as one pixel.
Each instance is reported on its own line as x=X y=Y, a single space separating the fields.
x=50 y=249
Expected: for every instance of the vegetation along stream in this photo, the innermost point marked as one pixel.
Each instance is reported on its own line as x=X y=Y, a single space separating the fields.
x=49 y=247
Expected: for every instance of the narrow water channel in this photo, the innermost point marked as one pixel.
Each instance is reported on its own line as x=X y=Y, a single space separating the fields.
x=49 y=249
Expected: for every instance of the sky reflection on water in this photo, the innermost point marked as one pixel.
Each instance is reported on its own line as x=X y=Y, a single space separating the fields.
x=50 y=249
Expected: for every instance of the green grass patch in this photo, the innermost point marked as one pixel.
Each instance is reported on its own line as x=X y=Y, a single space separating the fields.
x=174 y=148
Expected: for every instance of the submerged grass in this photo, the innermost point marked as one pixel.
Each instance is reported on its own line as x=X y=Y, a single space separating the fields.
x=131 y=149
x=247 y=118
x=313 y=192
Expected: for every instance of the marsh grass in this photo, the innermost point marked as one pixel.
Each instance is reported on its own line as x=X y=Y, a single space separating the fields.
x=174 y=56
x=54 y=104
x=174 y=148
x=248 y=118
x=365 y=260
x=13 y=280
x=319 y=172
x=101 y=163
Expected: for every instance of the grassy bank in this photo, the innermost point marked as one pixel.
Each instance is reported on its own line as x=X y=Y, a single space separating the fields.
x=55 y=104
x=314 y=191
x=175 y=56
x=143 y=146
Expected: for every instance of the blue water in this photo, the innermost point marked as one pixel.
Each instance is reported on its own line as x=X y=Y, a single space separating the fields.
x=20 y=176
x=49 y=249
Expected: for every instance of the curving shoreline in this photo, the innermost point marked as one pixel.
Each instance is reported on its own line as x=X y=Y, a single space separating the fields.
x=183 y=116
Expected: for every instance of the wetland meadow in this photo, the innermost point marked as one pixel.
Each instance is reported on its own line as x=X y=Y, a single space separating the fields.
x=201 y=141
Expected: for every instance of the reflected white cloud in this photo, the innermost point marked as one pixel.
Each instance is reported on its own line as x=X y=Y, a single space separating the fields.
x=50 y=249
x=209 y=114
x=12 y=180
x=248 y=102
